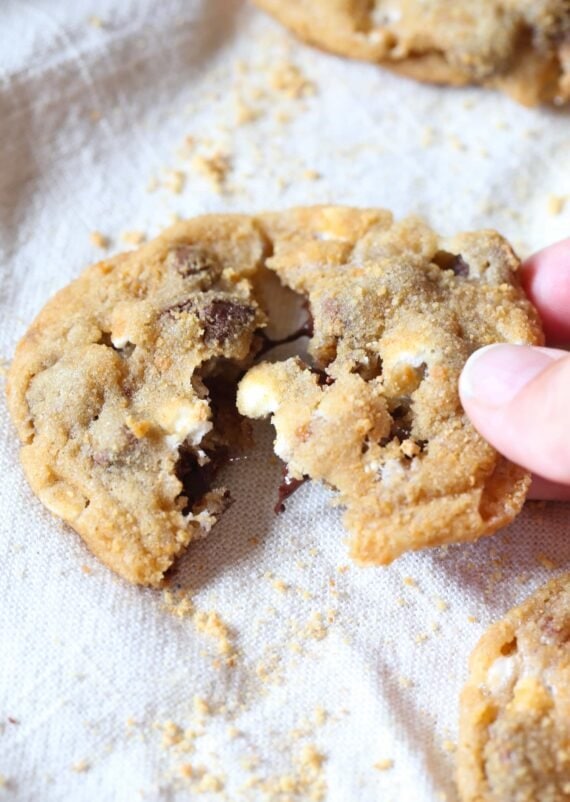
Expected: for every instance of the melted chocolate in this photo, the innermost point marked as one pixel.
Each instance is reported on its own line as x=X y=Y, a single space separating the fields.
x=197 y=479
x=287 y=488
x=452 y=261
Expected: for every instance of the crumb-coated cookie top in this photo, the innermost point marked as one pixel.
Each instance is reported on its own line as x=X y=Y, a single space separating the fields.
x=515 y=708
x=521 y=46
x=396 y=312
x=123 y=389
x=111 y=391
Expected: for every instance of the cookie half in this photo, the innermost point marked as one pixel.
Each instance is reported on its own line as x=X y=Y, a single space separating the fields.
x=515 y=707
x=122 y=391
x=519 y=46
x=396 y=311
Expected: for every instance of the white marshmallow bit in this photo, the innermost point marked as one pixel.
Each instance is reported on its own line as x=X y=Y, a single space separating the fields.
x=256 y=397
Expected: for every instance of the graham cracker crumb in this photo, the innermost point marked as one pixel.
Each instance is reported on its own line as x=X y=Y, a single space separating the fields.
x=441 y=604
x=187 y=148
x=546 y=562
x=177 y=603
x=96 y=22
x=81 y=765
x=449 y=746
x=280 y=585
x=99 y=240
x=211 y=624
x=384 y=765
x=210 y=782
x=288 y=79
x=175 y=181
x=201 y=706
x=133 y=237
x=556 y=204
x=214 y=167
x=456 y=143
x=311 y=757
x=245 y=113
x=410 y=582
x=86 y=569
x=427 y=137
x=316 y=627
x=172 y=734
x=186 y=770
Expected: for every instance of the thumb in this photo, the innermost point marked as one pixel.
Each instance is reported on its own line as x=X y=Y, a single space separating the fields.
x=518 y=398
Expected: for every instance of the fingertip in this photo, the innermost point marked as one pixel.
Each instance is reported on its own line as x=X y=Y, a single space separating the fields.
x=517 y=398
x=546 y=279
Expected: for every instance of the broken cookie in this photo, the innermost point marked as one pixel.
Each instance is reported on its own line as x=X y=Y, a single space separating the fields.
x=123 y=389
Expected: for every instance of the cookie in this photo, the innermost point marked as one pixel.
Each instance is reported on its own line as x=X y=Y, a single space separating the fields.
x=515 y=723
x=521 y=46
x=122 y=392
x=396 y=311
x=123 y=389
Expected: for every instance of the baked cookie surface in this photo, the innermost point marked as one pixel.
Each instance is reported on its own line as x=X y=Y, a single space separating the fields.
x=515 y=723
x=519 y=46
x=396 y=312
x=123 y=389
x=113 y=390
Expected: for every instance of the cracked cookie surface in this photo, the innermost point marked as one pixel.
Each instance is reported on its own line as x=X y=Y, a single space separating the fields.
x=515 y=727
x=115 y=391
x=123 y=389
x=519 y=46
x=396 y=312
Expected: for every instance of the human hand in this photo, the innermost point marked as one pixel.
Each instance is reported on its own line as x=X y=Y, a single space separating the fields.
x=518 y=396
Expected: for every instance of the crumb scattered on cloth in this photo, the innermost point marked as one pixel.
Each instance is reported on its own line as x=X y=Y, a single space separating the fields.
x=271 y=669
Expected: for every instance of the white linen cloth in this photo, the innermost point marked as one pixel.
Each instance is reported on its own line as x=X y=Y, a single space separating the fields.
x=96 y=100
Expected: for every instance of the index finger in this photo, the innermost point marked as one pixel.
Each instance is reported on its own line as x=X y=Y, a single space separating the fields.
x=546 y=280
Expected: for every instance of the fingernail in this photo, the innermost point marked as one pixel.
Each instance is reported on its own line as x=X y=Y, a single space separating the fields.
x=495 y=374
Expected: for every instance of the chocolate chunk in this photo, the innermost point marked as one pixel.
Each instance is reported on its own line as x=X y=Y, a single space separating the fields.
x=452 y=261
x=400 y=430
x=401 y=423
x=176 y=309
x=190 y=260
x=196 y=479
x=323 y=378
x=287 y=488
x=223 y=319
